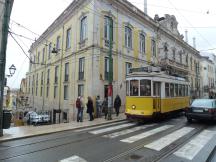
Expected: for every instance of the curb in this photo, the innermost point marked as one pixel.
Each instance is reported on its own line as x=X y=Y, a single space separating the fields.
x=51 y=132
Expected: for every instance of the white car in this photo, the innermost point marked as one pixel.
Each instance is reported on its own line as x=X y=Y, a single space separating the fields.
x=33 y=117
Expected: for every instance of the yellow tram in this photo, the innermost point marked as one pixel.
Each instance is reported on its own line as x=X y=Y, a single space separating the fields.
x=151 y=92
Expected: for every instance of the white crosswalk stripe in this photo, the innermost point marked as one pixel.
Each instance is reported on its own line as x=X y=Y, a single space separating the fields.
x=167 y=140
x=127 y=131
x=74 y=158
x=94 y=127
x=190 y=150
x=146 y=134
x=112 y=128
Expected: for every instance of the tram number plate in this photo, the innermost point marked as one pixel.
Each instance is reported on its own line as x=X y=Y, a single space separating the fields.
x=197 y=110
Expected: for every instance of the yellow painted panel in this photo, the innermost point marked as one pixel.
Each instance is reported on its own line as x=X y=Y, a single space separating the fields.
x=144 y=106
x=123 y=37
x=136 y=47
x=171 y=104
x=148 y=48
x=101 y=31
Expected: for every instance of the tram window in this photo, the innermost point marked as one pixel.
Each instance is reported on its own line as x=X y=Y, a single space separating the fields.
x=186 y=90
x=134 y=88
x=180 y=90
x=176 y=90
x=127 y=88
x=183 y=90
x=172 y=90
x=145 y=87
x=167 y=92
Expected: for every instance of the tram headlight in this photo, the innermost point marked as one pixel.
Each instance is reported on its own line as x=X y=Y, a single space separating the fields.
x=133 y=107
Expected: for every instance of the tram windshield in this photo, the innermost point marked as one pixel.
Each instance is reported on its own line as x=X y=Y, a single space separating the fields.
x=145 y=87
x=134 y=87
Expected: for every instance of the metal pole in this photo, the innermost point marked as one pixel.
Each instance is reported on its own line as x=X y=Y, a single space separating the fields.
x=7 y=11
x=110 y=89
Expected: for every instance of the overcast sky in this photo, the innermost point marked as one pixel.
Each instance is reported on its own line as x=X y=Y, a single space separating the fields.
x=198 y=17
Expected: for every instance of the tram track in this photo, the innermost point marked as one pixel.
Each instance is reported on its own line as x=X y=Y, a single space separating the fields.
x=61 y=136
x=59 y=143
x=162 y=154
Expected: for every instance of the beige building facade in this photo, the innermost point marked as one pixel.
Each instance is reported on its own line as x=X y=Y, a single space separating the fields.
x=71 y=57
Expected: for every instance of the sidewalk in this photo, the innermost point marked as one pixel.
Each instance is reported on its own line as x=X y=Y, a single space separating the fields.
x=29 y=131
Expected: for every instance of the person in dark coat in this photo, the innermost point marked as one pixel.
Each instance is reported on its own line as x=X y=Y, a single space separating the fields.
x=105 y=107
x=90 y=108
x=117 y=104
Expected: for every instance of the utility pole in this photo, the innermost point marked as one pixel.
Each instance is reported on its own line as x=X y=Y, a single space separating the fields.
x=110 y=89
x=5 y=24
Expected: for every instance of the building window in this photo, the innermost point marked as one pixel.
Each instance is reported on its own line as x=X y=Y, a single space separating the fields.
x=65 y=92
x=186 y=59
x=38 y=57
x=43 y=54
x=128 y=37
x=106 y=69
x=83 y=31
x=128 y=66
x=42 y=78
x=48 y=76
x=36 y=91
x=66 y=78
x=37 y=79
x=142 y=43
x=33 y=78
x=50 y=50
x=58 y=43
x=56 y=74
x=81 y=68
x=80 y=90
x=47 y=92
x=55 y=91
x=191 y=61
x=153 y=47
x=180 y=57
x=107 y=23
x=68 y=38
x=41 y=92
x=174 y=55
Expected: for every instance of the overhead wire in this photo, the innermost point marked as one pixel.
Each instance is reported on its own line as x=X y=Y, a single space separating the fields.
x=190 y=24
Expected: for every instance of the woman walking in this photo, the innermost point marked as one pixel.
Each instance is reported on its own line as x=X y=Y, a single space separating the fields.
x=90 y=108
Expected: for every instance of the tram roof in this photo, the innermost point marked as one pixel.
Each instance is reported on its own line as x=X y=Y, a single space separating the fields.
x=161 y=74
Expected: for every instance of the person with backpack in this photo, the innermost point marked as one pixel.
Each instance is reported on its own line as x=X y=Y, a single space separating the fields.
x=79 y=110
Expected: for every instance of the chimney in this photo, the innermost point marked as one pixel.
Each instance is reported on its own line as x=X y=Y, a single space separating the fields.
x=186 y=36
x=145 y=7
x=194 y=42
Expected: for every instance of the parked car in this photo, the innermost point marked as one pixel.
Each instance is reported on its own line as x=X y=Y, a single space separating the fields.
x=201 y=109
x=35 y=118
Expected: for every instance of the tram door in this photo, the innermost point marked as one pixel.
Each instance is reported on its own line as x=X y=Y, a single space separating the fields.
x=157 y=96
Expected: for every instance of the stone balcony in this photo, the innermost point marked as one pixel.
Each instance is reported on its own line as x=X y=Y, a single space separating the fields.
x=175 y=65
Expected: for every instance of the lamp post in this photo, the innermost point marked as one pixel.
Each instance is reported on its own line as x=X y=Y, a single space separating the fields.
x=5 y=23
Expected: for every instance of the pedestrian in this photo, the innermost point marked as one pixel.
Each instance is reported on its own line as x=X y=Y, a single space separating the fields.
x=90 y=108
x=82 y=108
x=117 y=104
x=98 y=106
x=105 y=107
x=79 y=110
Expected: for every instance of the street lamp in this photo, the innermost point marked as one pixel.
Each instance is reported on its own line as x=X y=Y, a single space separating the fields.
x=12 y=69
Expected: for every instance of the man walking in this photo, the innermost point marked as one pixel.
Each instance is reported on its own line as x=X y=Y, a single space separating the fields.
x=117 y=104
